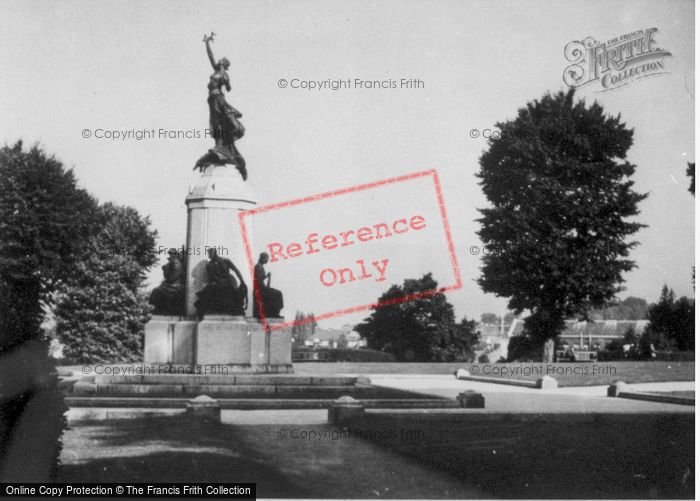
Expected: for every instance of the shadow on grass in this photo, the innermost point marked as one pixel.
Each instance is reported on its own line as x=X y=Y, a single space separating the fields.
x=645 y=456
x=285 y=461
x=169 y=449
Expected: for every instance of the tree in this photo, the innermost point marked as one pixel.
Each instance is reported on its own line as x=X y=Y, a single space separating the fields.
x=45 y=219
x=492 y=318
x=422 y=329
x=522 y=348
x=661 y=319
x=690 y=171
x=101 y=309
x=672 y=322
x=304 y=327
x=489 y=318
x=556 y=234
x=631 y=308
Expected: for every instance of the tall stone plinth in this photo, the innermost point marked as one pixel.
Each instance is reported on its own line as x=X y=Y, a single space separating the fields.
x=239 y=343
x=213 y=206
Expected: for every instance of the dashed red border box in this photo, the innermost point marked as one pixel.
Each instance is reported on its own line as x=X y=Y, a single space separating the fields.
x=344 y=191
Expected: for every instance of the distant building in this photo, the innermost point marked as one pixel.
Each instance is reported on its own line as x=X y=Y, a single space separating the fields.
x=333 y=338
x=592 y=335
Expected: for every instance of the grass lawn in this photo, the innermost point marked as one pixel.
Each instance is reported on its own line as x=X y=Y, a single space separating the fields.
x=610 y=457
x=605 y=372
x=168 y=449
x=639 y=457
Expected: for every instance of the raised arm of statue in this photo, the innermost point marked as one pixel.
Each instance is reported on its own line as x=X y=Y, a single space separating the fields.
x=208 y=39
x=232 y=266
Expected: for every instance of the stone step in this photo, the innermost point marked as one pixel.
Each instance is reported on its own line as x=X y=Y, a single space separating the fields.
x=85 y=388
x=237 y=379
x=255 y=403
x=213 y=390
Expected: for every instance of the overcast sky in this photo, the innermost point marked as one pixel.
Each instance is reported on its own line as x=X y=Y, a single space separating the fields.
x=69 y=66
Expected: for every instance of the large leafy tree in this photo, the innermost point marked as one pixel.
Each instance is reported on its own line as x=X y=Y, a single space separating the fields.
x=422 y=329
x=672 y=322
x=557 y=231
x=101 y=309
x=45 y=220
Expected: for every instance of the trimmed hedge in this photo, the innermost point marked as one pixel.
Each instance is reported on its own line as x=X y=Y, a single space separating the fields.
x=343 y=355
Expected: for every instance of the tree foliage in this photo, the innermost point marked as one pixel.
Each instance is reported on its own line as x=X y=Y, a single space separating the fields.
x=45 y=220
x=101 y=309
x=489 y=318
x=422 y=329
x=690 y=171
x=557 y=231
x=672 y=322
x=304 y=327
x=631 y=308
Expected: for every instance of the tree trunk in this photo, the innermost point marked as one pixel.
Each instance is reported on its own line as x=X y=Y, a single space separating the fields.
x=548 y=351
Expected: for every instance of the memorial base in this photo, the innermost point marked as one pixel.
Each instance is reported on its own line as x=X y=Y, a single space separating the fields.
x=220 y=343
x=169 y=340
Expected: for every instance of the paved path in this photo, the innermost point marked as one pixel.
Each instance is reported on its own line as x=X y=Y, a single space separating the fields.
x=507 y=398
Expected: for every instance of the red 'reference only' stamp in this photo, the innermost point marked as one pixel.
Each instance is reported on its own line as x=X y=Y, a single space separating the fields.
x=337 y=252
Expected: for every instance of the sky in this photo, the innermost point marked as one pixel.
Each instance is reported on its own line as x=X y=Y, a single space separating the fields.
x=122 y=65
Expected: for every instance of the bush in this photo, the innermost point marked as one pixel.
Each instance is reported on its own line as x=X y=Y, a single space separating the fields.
x=675 y=356
x=346 y=355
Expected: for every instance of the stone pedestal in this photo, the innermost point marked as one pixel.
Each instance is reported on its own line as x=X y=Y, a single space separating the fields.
x=344 y=408
x=242 y=343
x=239 y=343
x=169 y=340
x=204 y=410
x=223 y=340
x=471 y=400
x=213 y=205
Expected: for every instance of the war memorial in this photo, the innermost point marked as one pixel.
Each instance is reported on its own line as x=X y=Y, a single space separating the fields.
x=207 y=338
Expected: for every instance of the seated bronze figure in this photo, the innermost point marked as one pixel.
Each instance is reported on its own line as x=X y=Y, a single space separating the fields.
x=169 y=297
x=222 y=294
x=271 y=299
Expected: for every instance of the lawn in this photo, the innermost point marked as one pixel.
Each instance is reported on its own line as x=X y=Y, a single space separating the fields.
x=641 y=456
x=588 y=374
x=605 y=372
x=610 y=456
x=282 y=460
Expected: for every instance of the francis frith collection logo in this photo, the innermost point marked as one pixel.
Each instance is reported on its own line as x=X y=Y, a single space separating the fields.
x=614 y=63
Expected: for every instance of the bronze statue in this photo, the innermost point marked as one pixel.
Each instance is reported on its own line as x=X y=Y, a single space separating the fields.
x=169 y=297
x=223 y=118
x=271 y=299
x=222 y=294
